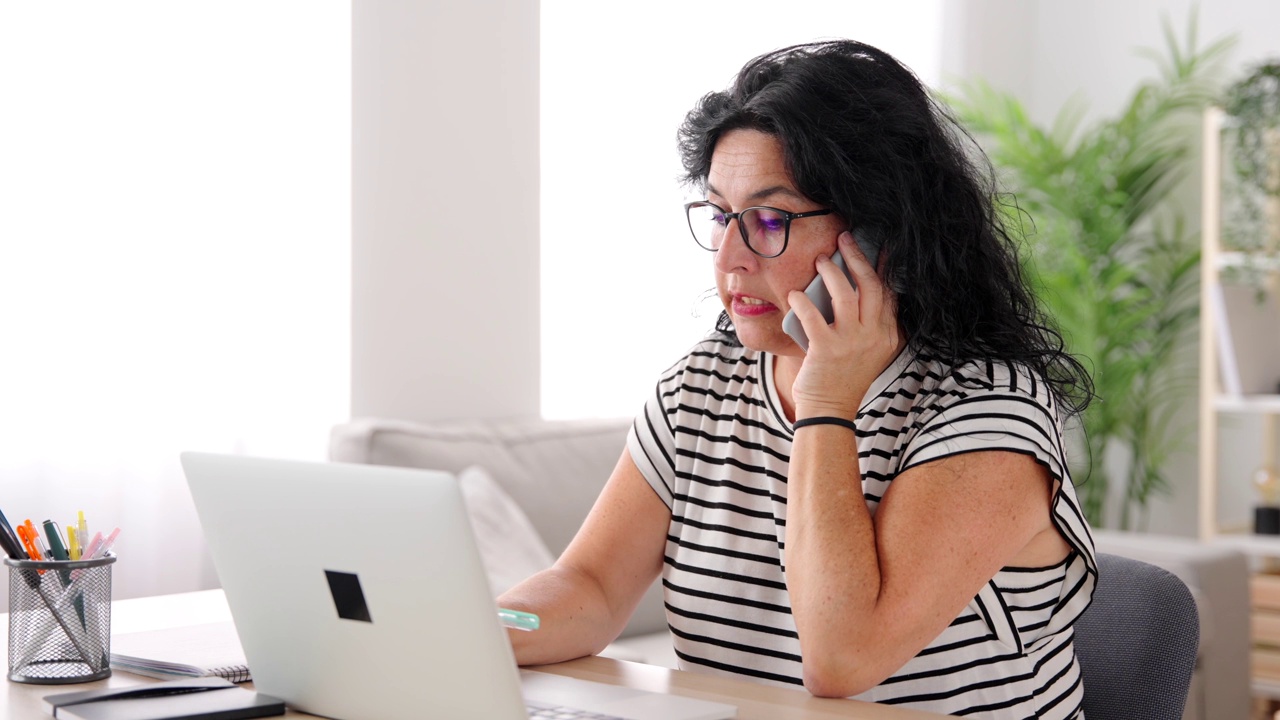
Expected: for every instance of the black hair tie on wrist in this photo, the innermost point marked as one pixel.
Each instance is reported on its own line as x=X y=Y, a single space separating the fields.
x=824 y=420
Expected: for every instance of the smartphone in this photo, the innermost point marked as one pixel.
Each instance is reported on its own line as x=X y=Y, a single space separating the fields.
x=821 y=297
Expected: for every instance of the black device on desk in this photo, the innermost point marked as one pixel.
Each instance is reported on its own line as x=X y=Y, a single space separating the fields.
x=198 y=698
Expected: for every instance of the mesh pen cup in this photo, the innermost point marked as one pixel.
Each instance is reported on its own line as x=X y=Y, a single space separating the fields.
x=59 y=620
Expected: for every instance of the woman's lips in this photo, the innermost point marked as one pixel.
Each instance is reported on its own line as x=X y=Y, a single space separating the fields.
x=747 y=306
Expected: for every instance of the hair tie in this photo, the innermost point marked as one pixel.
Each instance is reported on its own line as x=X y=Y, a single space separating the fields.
x=824 y=420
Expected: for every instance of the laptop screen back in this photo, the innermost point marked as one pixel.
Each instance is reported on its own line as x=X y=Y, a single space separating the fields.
x=357 y=590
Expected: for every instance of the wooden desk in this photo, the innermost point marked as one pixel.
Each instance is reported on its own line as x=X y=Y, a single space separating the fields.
x=754 y=701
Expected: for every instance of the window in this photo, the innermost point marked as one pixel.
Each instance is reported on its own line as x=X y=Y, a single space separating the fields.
x=174 y=256
x=624 y=287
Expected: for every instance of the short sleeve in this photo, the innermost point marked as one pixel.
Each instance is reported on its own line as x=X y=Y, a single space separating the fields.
x=998 y=406
x=990 y=407
x=651 y=441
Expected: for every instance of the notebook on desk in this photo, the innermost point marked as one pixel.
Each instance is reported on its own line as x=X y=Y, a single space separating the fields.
x=357 y=591
x=209 y=650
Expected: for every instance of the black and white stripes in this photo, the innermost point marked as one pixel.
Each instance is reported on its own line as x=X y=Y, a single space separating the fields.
x=714 y=445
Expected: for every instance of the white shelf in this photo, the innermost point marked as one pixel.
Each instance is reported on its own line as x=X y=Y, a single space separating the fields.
x=1261 y=404
x=1251 y=544
x=1263 y=687
x=1237 y=351
x=1256 y=260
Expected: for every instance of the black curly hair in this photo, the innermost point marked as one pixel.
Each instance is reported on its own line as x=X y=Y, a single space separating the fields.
x=862 y=135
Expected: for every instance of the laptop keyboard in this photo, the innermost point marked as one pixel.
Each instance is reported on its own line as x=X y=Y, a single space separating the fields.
x=550 y=712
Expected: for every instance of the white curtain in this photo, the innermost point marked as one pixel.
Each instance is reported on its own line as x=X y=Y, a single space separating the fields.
x=623 y=284
x=174 y=257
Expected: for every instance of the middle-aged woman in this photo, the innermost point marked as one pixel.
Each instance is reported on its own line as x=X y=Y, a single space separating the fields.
x=888 y=515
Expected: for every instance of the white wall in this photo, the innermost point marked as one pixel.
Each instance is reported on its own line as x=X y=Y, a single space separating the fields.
x=618 y=260
x=445 y=266
x=1044 y=52
x=444 y=209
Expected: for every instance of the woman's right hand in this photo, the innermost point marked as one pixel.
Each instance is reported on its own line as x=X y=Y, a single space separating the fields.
x=845 y=357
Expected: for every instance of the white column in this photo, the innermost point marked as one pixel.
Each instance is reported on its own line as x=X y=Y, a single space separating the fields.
x=445 y=209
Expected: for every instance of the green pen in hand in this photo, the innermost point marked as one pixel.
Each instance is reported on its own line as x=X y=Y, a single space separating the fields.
x=518 y=620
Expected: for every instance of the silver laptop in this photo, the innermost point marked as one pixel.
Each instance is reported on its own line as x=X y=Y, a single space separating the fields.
x=358 y=593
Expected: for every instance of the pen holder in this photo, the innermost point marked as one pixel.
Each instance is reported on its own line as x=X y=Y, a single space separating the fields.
x=59 y=620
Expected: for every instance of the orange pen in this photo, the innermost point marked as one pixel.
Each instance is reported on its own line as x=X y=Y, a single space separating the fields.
x=29 y=544
x=25 y=536
x=41 y=549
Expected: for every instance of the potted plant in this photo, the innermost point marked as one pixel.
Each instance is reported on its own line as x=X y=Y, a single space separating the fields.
x=1111 y=258
x=1253 y=134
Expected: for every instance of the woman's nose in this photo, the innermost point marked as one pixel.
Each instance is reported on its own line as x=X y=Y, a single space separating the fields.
x=734 y=255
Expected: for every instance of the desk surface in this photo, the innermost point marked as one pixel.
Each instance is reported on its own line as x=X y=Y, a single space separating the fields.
x=754 y=701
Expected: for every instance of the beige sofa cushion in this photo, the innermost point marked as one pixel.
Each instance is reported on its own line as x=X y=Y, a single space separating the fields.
x=510 y=547
x=553 y=470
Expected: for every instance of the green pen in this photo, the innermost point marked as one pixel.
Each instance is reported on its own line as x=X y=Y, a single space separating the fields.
x=58 y=550
x=518 y=620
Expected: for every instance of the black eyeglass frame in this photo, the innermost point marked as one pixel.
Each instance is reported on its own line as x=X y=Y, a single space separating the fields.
x=786 y=229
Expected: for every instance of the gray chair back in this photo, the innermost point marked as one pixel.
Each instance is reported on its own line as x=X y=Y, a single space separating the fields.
x=1137 y=642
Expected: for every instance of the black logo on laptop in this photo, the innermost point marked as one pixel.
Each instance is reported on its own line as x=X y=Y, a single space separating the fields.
x=347 y=596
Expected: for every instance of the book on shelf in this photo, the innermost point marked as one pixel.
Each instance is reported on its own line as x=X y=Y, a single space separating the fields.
x=1264 y=627
x=210 y=650
x=1264 y=591
x=1248 y=339
x=1265 y=663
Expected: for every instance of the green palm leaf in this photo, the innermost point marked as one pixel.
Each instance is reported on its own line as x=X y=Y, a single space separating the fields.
x=1109 y=254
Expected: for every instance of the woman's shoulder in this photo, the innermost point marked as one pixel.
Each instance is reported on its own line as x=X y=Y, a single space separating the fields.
x=982 y=378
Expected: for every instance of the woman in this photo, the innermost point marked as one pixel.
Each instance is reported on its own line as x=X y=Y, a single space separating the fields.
x=888 y=515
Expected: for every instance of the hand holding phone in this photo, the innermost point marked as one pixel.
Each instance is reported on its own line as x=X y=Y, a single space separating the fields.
x=821 y=297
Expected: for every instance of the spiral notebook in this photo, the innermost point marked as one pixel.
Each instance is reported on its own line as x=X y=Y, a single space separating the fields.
x=210 y=650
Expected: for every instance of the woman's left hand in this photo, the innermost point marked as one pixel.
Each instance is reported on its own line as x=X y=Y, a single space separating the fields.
x=845 y=357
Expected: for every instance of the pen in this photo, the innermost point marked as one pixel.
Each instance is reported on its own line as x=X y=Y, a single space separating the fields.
x=97 y=550
x=92 y=547
x=74 y=541
x=106 y=545
x=57 y=550
x=518 y=620
x=28 y=542
x=33 y=552
x=88 y=554
x=42 y=552
x=12 y=546
x=82 y=527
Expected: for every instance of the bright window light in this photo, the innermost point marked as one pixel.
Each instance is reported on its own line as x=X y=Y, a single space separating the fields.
x=174 y=256
x=624 y=287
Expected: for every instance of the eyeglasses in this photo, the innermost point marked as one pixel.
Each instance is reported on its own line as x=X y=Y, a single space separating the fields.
x=765 y=230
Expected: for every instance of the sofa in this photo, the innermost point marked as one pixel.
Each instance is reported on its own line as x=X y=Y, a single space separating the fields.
x=1218 y=577
x=529 y=483
x=552 y=470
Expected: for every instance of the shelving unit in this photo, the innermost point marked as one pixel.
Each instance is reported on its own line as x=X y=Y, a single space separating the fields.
x=1215 y=403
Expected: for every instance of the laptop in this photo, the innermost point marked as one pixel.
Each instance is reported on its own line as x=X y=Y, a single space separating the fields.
x=358 y=593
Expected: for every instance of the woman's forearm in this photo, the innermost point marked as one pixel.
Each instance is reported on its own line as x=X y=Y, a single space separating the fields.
x=833 y=572
x=575 y=616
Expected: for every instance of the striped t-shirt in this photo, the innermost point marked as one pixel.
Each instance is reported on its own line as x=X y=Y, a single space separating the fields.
x=714 y=444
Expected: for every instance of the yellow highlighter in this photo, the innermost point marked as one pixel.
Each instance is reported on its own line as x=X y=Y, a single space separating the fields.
x=82 y=529
x=74 y=542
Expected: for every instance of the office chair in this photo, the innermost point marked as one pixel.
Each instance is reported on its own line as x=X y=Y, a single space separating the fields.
x=1137 y=643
